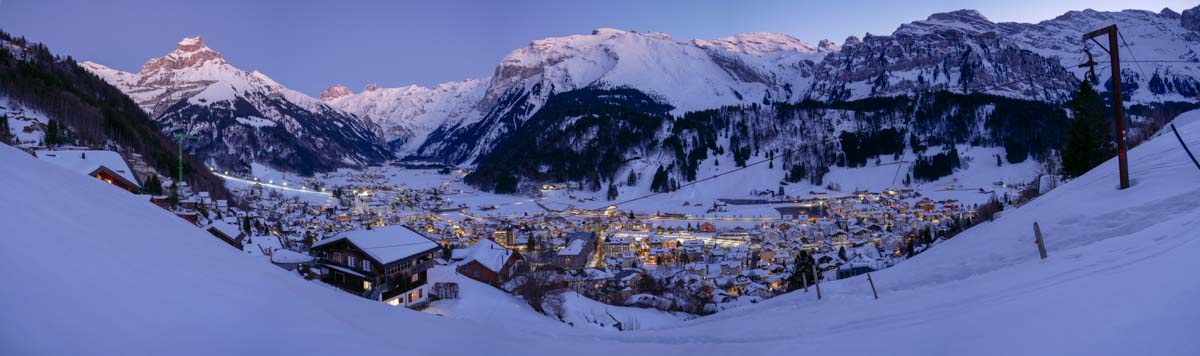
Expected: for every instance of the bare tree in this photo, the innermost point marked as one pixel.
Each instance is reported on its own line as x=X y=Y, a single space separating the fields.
x=555 y=305
x=534 y=286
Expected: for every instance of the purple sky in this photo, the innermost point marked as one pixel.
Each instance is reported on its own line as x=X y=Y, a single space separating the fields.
x=310 y=45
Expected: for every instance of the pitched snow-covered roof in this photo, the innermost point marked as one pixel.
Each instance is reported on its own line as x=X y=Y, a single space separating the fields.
x=488 y=253
x=574 y=248
x=88 y=161
x=385 y=244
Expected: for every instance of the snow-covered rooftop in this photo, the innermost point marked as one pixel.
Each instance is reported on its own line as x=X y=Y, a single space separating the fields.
x=488 y=253
x=88 y=161
x=385 y=244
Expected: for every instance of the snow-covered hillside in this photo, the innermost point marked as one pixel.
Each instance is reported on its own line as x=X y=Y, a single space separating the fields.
x=243 y=117
x=27 y=126
x=127 y=277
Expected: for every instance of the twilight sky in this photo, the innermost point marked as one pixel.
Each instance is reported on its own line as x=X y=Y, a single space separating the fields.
x=310 y=45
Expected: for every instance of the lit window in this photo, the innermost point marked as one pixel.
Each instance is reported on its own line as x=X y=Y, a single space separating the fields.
x=415 y=278
x=366 y=285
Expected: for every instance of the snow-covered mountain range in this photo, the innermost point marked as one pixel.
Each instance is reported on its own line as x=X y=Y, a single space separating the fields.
x=407 y=115
x=243 y=117
x=462 y=122
x=959 y=51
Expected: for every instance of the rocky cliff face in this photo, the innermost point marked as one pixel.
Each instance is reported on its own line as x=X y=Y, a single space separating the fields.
x=335 y=92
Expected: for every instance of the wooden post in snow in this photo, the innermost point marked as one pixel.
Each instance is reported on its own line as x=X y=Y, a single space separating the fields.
x=817 y=282
x=1041 y=244
x=804 y=279
x=872 y=282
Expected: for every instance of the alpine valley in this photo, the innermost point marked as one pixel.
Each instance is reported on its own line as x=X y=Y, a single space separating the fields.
x=613 y=106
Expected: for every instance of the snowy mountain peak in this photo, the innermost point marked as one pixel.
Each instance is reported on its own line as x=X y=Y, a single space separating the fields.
x=1168 y=13
x=371 y=87
x=970 y=21
x=603 y=31
x=189 y=52
x=965 y=15
x=758 y=43
x=334 y=92
x=828 y=46
x=1190 y=19
x=191 y=44
x=852 y=40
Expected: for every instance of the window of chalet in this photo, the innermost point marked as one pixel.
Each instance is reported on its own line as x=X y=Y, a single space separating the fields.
x=366 y=265
x=350 y=261
x=415 y=278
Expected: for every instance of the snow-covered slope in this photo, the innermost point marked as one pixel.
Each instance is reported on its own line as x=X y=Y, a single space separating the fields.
x=407 y=115
x=94 y=270
x=243 y=117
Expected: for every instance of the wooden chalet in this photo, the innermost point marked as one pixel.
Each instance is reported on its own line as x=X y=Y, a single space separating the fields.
x=386 y=263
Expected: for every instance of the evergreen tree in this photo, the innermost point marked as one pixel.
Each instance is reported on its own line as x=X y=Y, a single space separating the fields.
x=802 y=271
x=1088 y=143
x=660 y=183
x=530 y=244
x=612 y=191
x=842 y=253
x=174 y=198
x=152 y=186
x=52 y=133
x=632 y=179
x=4 y=130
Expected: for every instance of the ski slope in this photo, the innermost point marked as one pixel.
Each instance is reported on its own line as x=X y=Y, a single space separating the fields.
x=94 y=270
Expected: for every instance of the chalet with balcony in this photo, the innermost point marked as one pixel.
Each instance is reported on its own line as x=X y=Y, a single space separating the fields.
x=387 y=263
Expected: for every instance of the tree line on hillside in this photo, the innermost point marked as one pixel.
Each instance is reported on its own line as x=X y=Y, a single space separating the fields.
x=586 y=137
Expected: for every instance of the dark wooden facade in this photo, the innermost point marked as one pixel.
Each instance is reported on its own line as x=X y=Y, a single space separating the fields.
x=349 y=267
x=110 y=177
